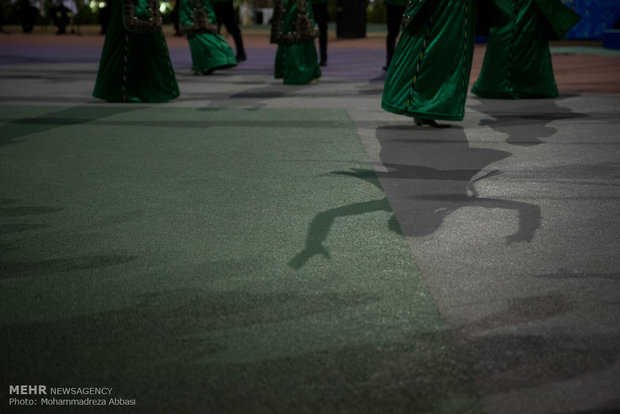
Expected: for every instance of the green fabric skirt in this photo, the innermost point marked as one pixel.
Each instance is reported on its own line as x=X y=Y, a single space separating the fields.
x=429 y=73
x=210 y=52
x=297 y=64
x=134 y=67
x=517 y=63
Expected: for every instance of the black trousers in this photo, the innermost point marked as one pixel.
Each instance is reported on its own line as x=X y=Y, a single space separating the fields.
x=225 y=14
x=319 y=10
x=394 y=19
x=27 y=15
x=60 y=18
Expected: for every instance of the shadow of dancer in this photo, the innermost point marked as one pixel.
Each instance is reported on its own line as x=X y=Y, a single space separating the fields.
x=322 y=223
x=432 y=173
x=426 y=178
x=528 y=122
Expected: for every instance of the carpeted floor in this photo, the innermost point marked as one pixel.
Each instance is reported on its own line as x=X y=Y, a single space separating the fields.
x=213 y=260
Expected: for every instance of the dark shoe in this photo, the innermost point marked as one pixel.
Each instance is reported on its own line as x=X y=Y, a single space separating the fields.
x=241 y=57
x=322 y=63
x=429 y=122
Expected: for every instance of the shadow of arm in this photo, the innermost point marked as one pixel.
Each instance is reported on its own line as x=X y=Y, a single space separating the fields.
x=322 y=223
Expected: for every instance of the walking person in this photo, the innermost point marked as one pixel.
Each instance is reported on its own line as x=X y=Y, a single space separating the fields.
x=293 y=29
x=60 y=14
x=209 y=50
x=395 y=10
x=517 y=62
x=175 y=15
x=225 y=14
x=28 y=12
x=2 y=16
x=428 y=76
x=135 y=64
x=104 y=16
x=321 y=17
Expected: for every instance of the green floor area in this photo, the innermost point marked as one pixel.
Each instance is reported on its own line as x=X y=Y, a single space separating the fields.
x=213 y=260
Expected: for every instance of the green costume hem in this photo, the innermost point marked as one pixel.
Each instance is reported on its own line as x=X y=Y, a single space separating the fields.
x=429 y=73
x=297 y=64
x=422 y=115
x=517 y=62
x=133 y=99
x=209 y=50
x=293 y=82
x=498 y=94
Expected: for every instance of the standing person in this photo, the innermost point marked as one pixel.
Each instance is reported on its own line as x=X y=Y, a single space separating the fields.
x=60 y=14
x=28 y=12
x=209 y=50
x=175 y=16
x=2 y=18
x=104 y=16
x=395 y=10
x=225 y=14
x=517 y=62
x=135 y=65
x=292 y=28
x=321 y=17
x=428 y=76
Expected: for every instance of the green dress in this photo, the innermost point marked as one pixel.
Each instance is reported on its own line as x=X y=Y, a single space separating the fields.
x=428 y=76
x=517 y=63
x=135 y=65
x=209 y=50
x=293 y=29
